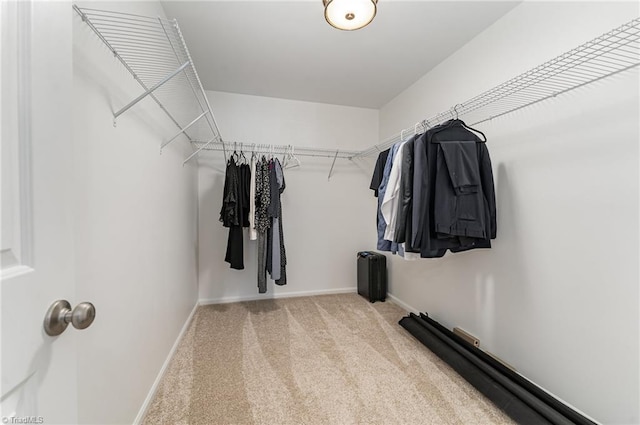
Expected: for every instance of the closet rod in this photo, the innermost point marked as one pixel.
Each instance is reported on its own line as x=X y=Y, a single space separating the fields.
x=281 y=150
x=611 y=53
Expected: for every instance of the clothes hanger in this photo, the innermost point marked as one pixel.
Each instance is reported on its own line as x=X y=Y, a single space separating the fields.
x=234 y=155
x=293 y=157
x=484 y=138
x=242 y=157
x=475 y=130
x=286 y=157
x=455 y=121
x=462 y=124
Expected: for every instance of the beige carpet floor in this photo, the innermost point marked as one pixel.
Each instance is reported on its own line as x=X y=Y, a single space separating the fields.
x=334 y=359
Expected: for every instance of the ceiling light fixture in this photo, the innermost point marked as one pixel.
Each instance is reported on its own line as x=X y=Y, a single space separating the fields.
x=349 y=15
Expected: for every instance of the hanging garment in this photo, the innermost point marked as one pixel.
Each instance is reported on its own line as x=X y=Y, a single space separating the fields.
x=385 y=245
x=421 y=214
x=281 y=254
x=235 y=248
x=275 y=244
x=405 y=193
x=253 y=235
x=262 y=198
x=262 y=222
x=489 y=201
x=272 y=213
x=437 y=192
x=245 y=180
x=433 y=243
x=378 y=172
x=420 y=189
x=405 y=203
x=389 y=205
x=231 y=215
x=262 y=262
x=459 y=206
x=274 y=249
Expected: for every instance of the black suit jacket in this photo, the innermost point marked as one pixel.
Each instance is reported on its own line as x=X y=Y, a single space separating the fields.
x=431 y=243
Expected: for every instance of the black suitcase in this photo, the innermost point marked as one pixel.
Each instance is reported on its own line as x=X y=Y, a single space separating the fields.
x=372 y=276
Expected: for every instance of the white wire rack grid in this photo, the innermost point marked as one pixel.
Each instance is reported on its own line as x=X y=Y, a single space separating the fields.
x=611 y=53
x=155 y=53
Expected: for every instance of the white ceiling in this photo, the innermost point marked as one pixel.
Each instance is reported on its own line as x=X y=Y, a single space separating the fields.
x=286 y=49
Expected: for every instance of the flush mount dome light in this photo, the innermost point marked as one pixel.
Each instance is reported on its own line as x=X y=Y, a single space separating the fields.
x=349 y=15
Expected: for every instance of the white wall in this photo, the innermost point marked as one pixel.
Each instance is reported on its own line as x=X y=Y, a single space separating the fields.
x=135 y=225
x=557 y=296
x=322 y=219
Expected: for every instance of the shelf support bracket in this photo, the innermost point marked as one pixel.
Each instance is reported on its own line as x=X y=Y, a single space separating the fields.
x=183 y=130
x=200 y=148
x=151 y=90
x=332 y=165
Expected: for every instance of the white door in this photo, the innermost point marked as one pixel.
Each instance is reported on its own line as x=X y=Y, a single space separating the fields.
x=39 y=372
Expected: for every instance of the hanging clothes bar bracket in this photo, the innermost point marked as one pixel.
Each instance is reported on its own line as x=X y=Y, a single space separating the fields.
x=151 y=90
x=333 y=164
x=183 y=130
x=198 y=150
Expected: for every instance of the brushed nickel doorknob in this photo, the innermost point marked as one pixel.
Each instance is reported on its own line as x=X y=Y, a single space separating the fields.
x=60 y=315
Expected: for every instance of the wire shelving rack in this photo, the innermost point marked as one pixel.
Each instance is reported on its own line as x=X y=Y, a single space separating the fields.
x=613 y=52
x=155 y=53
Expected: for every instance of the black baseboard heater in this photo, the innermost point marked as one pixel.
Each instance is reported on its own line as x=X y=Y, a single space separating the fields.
x=518 y=397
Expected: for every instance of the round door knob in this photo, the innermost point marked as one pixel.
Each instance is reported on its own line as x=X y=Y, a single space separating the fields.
x=60 y=315
x=83 y=315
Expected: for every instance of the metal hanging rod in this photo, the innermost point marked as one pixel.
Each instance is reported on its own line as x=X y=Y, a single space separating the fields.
x=154 y=52
x=607 y=55
x=281 y=150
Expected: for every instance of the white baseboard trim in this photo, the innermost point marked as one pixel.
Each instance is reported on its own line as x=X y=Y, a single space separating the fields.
x=156 y=383
x=270 y=296
x=402 y=304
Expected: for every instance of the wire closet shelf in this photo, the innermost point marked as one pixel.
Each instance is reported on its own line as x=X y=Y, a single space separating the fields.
x=611 y=53
x=155 y=53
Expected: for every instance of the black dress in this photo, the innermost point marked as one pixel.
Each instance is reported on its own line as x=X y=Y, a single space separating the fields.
x=235 y=210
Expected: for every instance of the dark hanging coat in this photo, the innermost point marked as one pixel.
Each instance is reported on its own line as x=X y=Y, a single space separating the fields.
x=435 y=239
x=234 y=213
